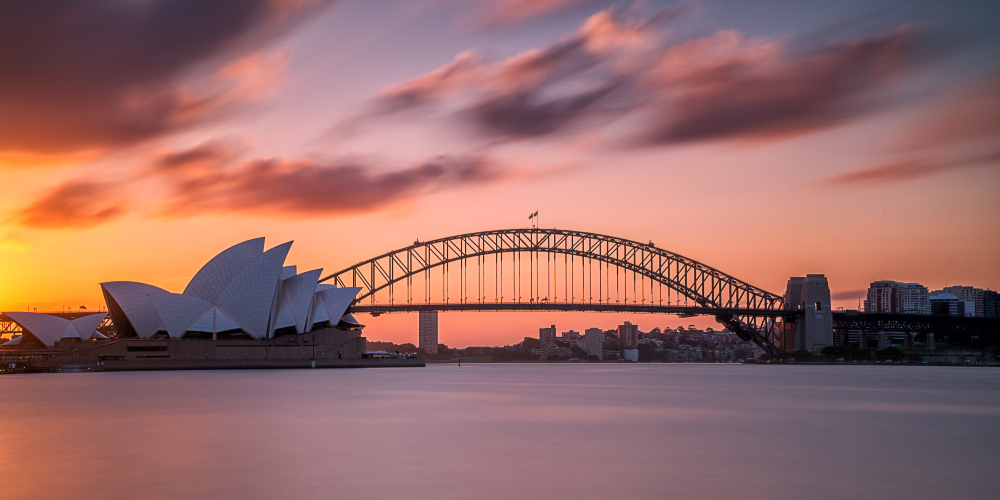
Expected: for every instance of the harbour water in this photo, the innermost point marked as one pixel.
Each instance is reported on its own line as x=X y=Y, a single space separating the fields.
x=505 y=431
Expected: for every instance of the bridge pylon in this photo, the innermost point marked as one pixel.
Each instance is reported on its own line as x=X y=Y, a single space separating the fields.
x=812 y=330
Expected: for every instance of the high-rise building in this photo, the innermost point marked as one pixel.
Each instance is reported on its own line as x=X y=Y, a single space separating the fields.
x=991 y=304
x=429 y=331
x=547 y=335
x=593 y=342
x=883 y=297
x=969 y=294
x=628 y=335
x=913 y=298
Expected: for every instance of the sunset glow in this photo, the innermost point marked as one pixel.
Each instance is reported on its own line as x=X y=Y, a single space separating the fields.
x=855 y=140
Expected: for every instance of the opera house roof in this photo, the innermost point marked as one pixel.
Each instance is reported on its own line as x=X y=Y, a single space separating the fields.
x=243 y=290
x=49 y=329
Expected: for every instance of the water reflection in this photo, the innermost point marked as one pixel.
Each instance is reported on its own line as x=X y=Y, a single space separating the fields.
x=503 y=431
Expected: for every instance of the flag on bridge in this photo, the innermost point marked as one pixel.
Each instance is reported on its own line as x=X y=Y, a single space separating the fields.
x=532 y=216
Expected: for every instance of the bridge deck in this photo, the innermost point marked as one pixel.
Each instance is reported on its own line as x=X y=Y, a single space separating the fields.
x=376 y=309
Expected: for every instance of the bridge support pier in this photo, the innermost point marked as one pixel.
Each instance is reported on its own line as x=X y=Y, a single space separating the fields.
x=813 y=330
x=428 y=331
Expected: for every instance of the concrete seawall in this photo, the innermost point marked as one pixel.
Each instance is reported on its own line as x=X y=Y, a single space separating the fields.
x=326 y=348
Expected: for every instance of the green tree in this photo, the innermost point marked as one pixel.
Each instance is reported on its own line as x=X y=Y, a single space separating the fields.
x=890 y=354
x=802 y=355
x=647 y=353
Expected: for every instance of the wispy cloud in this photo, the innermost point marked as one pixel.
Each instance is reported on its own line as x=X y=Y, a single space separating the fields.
x=970 y=114
x=724 y=86
x=94 y=74
x=74 y=204
x=729 y=86
x=209 y=179
x=506 y=12
x=212 y=178
x=906 y=170
x=853 y=294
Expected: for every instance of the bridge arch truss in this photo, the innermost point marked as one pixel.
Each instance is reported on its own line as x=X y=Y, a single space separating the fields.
x=556 y=269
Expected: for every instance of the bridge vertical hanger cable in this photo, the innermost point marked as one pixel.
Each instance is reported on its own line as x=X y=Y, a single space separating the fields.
x=600 y=290
x=461 y=278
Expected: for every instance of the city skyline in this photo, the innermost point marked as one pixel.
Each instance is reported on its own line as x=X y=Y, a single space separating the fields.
x=853 y=141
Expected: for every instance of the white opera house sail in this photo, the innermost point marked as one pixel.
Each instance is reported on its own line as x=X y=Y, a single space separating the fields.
x=244 y=290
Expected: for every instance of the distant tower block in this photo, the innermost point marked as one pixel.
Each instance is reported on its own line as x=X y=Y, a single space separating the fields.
x=429 y=331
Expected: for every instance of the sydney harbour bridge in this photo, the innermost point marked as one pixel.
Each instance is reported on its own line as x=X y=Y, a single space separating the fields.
x=538 y=269
x=559 y=270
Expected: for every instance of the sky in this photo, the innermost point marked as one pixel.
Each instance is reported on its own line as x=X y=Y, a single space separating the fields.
x=768 y=139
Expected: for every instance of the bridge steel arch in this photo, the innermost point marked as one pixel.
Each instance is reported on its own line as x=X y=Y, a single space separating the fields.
x=752 y=313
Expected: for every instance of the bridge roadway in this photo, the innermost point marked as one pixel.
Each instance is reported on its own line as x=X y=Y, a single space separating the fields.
x=682 y=311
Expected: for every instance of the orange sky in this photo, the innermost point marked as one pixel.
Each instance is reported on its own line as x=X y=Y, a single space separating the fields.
x=748 y=143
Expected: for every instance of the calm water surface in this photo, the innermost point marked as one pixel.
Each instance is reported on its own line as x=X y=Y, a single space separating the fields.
x=505 y=431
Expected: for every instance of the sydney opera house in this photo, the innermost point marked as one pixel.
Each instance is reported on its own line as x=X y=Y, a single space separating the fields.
x=243 y=309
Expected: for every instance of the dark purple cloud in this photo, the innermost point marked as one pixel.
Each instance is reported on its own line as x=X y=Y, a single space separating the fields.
x=527 y=114
x=208 y=180
x=754 y=95
x=99 y=73
x=718 y=87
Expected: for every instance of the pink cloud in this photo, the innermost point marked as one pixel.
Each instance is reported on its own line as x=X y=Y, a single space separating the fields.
x=725 y=86
x=909 y=169
x=503 y=12
x=969 y=115
x=76 y=204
